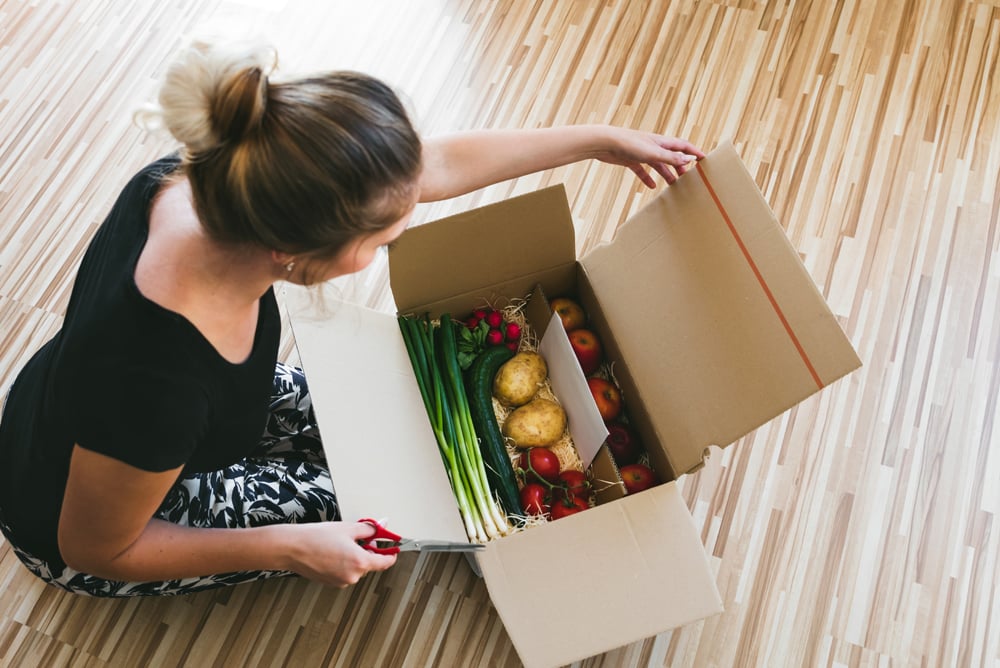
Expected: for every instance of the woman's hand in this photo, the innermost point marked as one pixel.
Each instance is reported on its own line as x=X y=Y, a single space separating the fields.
x=328 y=552
x=668 y=156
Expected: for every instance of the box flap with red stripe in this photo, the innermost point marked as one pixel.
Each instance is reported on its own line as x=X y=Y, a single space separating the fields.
x=704 y=287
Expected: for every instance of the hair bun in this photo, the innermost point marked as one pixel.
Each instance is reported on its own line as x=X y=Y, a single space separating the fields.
x=213 y=94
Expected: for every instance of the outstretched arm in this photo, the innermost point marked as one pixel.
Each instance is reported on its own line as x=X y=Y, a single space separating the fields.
x=459 y=163
x=107 y=529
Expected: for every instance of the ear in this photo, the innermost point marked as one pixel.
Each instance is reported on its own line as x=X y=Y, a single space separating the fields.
x=284 y=263
x=281 y=258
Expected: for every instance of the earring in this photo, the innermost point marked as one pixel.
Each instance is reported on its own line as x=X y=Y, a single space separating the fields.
x=290 y=266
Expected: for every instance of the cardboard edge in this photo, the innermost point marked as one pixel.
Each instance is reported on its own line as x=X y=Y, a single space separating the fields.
x=654 y=522
x=434 y=244
x=842 y=359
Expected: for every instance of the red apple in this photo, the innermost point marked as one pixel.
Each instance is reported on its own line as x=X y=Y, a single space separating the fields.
x=623 y=444
x=607 y=397
x=587 y=348
x=571 y=313
x=637 y=477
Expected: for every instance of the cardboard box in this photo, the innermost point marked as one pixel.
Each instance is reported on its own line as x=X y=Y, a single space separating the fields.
x=715 y=326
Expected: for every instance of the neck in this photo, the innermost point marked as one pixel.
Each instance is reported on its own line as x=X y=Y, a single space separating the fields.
x=197 y=268
x=231 y=275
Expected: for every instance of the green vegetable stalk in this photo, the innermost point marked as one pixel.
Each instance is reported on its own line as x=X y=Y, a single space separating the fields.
x=433 y=353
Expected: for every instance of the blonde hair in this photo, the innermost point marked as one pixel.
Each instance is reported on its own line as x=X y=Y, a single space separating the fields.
x=303 y=166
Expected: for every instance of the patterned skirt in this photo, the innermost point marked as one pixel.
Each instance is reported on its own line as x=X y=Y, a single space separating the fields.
x=284 y=480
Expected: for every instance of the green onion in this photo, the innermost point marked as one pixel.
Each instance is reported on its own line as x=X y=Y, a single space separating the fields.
x=433 y=353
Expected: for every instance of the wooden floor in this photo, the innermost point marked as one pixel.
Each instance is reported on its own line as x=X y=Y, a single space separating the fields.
x=855 y=530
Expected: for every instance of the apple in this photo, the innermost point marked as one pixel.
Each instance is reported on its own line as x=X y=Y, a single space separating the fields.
x=587 y=348
x=607 y=397
x=637 y=477
x=571 y=313
x=623 y=444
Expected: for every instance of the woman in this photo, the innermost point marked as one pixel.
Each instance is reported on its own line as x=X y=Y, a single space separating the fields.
x=132 y=440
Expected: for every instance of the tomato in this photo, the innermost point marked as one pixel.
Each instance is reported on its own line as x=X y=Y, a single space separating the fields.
x=575 y=482
x=533 y=499
x=571 y=486
x=567 y=504
x=540 y=464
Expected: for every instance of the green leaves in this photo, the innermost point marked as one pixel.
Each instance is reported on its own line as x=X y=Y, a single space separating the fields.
x=471 y=342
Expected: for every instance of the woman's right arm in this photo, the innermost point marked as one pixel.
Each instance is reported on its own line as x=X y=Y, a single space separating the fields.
x=107 y=529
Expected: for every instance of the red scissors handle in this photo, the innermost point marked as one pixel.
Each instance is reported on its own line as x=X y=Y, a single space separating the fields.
x=381 y=534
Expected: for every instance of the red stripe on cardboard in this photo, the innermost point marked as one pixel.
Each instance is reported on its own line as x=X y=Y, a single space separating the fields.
x=760 y=278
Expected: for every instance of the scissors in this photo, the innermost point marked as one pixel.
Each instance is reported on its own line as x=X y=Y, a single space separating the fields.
x=387 y=542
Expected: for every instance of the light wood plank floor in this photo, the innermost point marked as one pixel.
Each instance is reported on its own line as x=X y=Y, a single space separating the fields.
x=856 y=530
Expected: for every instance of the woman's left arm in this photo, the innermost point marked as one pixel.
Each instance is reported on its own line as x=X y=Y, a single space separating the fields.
x=459 y=163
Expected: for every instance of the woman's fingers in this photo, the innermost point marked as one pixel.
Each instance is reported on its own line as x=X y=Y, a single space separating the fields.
x=362 y=531
x=643 y=175
x=681 y=147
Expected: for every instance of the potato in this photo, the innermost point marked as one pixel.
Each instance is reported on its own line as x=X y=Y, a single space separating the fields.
x=520 y=378
x=538 y=423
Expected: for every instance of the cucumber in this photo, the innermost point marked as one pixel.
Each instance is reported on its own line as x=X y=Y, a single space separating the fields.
x=499 y=471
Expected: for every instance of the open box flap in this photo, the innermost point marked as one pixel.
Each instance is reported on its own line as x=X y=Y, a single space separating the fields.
x=626 y=571
x=586 y=427
x=483 y=247
x=376 y=435
x=704 y=287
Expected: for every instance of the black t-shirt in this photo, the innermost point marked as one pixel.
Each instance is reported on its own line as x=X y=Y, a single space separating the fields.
x=127 y=378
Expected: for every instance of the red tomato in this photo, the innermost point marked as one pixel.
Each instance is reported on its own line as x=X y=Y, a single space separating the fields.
x=575 y=482
x=569 y=504
x=533 y=499
x=540 y=464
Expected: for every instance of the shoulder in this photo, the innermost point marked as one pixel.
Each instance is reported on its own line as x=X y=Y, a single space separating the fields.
x=158 y=170
x=143 y=186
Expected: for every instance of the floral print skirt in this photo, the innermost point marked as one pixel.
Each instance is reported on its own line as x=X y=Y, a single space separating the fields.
x=284 y=480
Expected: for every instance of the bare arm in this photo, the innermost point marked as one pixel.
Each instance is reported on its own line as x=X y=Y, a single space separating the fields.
x=107 y=529
x=458 y=163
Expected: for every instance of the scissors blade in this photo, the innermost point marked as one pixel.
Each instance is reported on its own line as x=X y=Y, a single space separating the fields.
x=438 y=546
